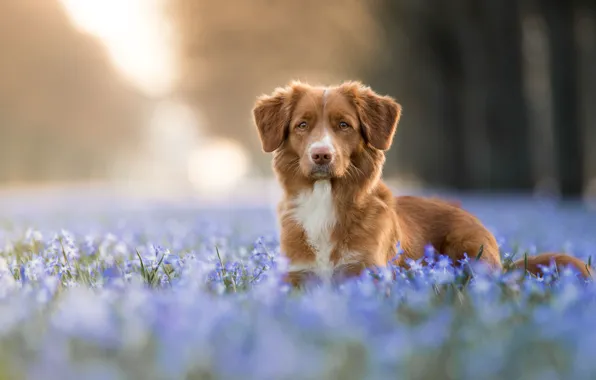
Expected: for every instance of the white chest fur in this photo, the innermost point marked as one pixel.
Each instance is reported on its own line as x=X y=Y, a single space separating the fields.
x=315 y=212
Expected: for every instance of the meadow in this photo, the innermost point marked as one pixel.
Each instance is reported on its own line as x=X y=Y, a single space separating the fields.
x=96 y=288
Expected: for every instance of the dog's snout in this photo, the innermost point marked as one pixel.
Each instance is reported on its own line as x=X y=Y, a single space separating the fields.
x=321 y=156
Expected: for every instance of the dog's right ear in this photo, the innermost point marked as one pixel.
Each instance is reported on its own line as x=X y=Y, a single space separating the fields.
x=272 y=114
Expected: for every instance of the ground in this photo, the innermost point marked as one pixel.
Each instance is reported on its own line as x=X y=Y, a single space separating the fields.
x=102 y=287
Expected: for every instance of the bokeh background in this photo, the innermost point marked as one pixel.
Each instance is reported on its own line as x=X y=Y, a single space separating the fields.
x=153 y=97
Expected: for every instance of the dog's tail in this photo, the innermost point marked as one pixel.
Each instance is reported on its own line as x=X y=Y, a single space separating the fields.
x=534 y=264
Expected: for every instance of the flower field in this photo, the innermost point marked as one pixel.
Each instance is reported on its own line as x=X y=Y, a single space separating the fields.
x=94 y=289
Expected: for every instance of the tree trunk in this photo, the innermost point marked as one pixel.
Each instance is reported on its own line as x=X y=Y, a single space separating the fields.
x=506 y=110
x=586 y=34
x=447 y=55
x=569 y=152
x=473 y=139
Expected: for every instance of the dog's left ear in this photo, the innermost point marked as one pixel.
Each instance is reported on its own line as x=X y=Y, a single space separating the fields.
x=379 y=115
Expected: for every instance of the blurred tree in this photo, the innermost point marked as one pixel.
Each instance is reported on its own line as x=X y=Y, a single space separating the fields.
x=563 y=57
x=559 y=17
x=65 y=111
x=472 y=130
x=507 y=114
x=586 y=33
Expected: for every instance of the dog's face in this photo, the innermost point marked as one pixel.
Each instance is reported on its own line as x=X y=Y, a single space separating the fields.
x=322 y=131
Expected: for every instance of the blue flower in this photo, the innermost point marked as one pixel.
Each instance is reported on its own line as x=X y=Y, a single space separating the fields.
x=83 y=309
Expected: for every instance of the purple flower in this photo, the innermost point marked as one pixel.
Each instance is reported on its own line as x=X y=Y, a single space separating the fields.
x=85 y=307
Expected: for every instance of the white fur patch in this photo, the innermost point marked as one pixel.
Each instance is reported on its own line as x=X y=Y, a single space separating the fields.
x=302 y=267
x=324 y=142
x=315 y=212
x=350 y=257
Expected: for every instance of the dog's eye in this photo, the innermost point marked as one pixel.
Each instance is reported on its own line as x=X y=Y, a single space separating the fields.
x=302 y=125
x=344 y=125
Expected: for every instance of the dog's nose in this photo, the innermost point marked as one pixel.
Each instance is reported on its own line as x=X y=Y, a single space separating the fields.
x=321 y=156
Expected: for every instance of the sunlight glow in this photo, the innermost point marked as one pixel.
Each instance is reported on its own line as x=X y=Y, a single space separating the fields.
x=174 y=153
x=136 y=35
x=218 y=166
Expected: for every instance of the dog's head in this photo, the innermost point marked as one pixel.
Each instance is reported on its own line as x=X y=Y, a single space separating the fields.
x=321 y=132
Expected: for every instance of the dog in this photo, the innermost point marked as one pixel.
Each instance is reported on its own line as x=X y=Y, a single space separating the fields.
x=337 y=216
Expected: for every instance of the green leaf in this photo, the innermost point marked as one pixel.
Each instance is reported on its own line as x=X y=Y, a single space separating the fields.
x=480 y=252
x=143 y=272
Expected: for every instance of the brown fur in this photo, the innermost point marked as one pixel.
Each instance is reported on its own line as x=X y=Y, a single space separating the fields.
x=451 y=230
x=561 y=260
x=370 y=220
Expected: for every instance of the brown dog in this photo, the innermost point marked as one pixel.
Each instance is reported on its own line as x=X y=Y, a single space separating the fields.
x=336 y=214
